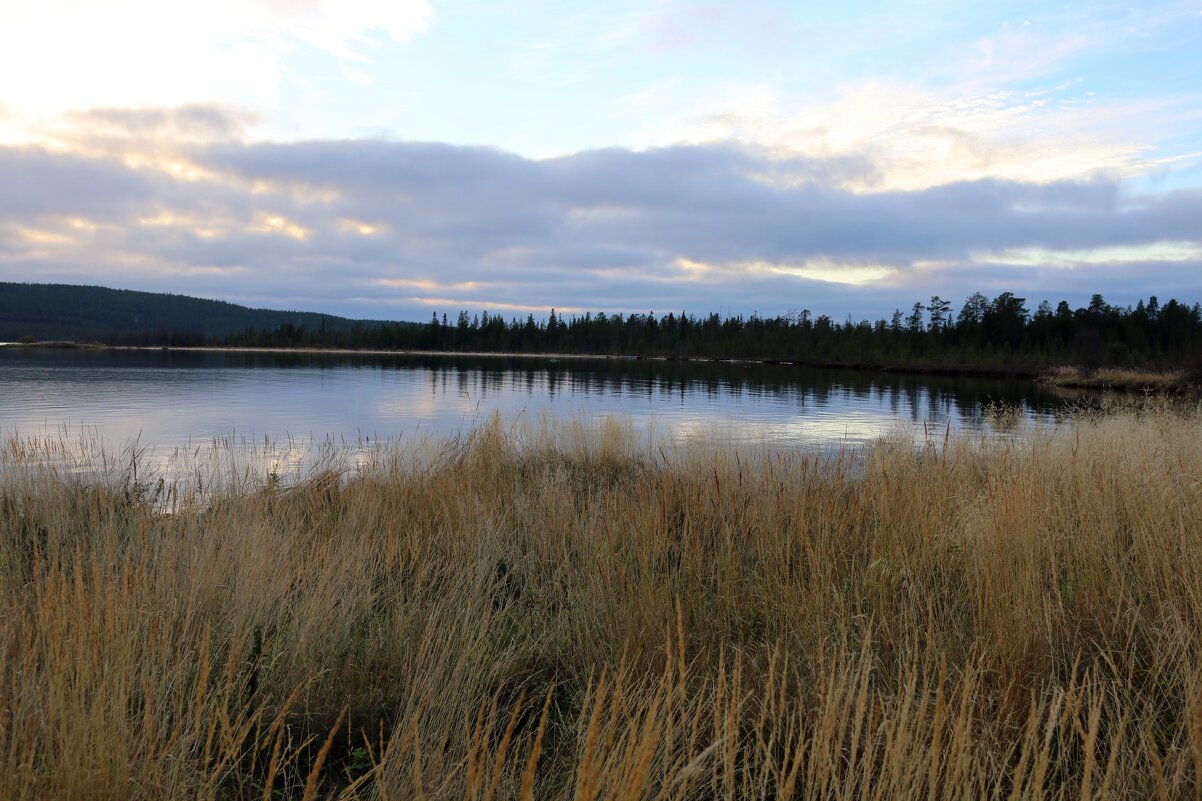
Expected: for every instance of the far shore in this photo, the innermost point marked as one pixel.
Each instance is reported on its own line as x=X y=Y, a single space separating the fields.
x=1005 y=371
x=370 y=352
x=1066 y=377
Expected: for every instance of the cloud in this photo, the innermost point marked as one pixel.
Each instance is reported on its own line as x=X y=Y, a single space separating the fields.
x=930 y=100
x=39 y=183
x=192 y=122
x=916 y=138
x=395 y=229
x=61 y=54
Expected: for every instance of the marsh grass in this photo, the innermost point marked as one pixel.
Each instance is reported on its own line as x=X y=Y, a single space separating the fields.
x=575 y=612
x=1120 y=379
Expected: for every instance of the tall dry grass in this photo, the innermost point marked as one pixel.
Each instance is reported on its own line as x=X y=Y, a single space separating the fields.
x=1118 y=378
x=572 y=613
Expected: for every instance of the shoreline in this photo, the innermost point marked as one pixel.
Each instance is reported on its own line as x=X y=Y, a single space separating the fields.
x=955 y=371
x=1061 y=376
x=1116 y=379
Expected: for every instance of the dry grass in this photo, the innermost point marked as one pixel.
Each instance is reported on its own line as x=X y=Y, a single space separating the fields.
x=572 y=614
x=1117 y=378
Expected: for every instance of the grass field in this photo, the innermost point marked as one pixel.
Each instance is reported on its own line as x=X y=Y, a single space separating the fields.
x=570 y=613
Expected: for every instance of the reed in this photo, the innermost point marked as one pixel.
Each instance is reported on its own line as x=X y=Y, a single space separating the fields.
x=1119 y=379
x=574 y=612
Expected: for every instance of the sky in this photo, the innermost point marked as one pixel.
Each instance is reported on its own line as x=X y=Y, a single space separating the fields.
x=391 y=159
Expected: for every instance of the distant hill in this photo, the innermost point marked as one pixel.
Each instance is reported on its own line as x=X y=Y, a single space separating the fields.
x=126 y=317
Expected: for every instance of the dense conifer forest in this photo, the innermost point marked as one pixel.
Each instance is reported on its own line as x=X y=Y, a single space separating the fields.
x=125 y=317
x=981 y=332
x=1002 y=332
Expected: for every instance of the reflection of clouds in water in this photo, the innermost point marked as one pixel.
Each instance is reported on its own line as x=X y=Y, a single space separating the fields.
x=826 y=433
x=169 y=477
x=276 y=412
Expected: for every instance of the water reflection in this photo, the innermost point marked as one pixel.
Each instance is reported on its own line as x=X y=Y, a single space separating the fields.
x=179 y=398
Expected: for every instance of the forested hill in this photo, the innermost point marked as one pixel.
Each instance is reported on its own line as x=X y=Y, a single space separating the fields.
x=126 y=317
x=982 y=334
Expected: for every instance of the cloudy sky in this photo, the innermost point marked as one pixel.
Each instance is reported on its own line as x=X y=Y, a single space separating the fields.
x=389 y=158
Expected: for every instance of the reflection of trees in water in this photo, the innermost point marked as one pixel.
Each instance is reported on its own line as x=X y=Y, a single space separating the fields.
x=920 y=398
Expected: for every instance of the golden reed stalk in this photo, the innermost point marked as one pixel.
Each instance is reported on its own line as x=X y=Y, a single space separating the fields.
x=569 y=613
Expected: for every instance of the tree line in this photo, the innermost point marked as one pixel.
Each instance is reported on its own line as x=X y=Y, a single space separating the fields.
x=127 y=317
x=982 y=332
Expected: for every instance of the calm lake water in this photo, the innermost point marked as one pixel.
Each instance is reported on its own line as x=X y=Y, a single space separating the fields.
x=164 y=400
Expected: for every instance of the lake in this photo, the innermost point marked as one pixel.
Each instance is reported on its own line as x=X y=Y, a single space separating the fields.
x=164 y=400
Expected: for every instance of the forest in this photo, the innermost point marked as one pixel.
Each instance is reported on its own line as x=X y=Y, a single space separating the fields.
x=125 y=317
x=1001 y=333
